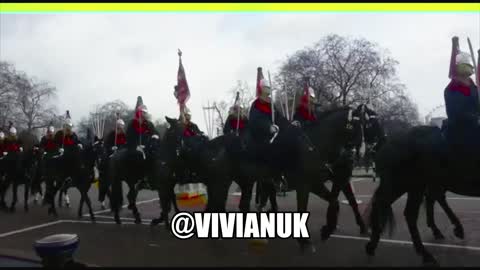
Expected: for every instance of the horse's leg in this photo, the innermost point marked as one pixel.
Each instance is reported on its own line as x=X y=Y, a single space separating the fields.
x=80 y=206
x=348 y=192
x=303 y=192
x=132 y=197
x=458 y=230
x=166 y=194
x=60 y=195
x=84 y=194
x=14 y=196
x=272 y=196
x=411 y=214
x=430 y=205
x=3 y=190
x=381 y=213
x=332 y=213
x=26 y=192
x=246 y=187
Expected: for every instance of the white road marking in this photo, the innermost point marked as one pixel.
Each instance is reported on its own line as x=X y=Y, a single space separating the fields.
x=103 y=222
x=448 y=198
x=406 y=242
x=122 y=218
x=124 y=206
x=30 y=228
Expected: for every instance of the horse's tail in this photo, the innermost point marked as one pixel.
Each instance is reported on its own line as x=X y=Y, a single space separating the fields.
x=376 y=209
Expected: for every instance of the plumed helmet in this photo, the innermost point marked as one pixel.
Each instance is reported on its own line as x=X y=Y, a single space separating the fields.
x=13 y=131
x=463 y=58
x=265 y=84
x=120 y=123
x=186 y=111
x=311 y=92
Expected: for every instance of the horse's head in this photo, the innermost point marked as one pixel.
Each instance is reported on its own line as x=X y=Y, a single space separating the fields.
x=174 y=135
x=340 y=127
x=372 y=130
x=98 y=151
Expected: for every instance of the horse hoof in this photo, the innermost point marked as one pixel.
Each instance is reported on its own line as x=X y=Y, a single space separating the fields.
x=438 y=235
x=103 y=207
x=12 y=209
x=429 y=261
x=79 y=216
x=157 y=221
x=118 y=221
x=326 y=232
x=363 y=230
x=459 y=233
x=26 y=209
x=370 y=249
x=307 y=248
x=68 y=205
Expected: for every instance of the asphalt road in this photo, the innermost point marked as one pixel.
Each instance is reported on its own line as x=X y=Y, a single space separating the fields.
x=107 y=244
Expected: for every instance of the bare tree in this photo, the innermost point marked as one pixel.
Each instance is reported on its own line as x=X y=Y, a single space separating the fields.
x=344 y=71
x=33 y=103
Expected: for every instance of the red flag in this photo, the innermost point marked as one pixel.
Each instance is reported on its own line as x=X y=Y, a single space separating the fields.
x=182 y=92
x=455 y=51
x=259 y=79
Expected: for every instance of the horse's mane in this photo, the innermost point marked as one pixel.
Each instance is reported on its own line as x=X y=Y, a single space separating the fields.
x=331 y=111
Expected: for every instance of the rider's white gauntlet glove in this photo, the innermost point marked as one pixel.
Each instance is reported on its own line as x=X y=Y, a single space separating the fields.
x=155 y=137
x=274 y=129
x=296 y=123
x=80 y=146
x=61 y=150
x=114 y=148
x=5 y=153
x=21 y=149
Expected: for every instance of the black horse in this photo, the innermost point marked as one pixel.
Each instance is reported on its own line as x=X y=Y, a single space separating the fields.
x=337 y=168
x=376 y=138
x=73 y=168
x=303 y=162
x=133 y=167
x=14 y=167
x=194 y=160
x=414 y=163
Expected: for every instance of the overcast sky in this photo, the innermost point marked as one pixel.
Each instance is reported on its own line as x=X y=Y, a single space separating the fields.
x=95 y=58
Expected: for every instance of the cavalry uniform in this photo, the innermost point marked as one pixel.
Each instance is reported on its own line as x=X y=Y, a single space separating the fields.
x=140 y=130
x=305 y=111
x=233 y=121
x=48 y=143
x=12 y=143
x=261 y=127
x=463 y=109
x=116 y=139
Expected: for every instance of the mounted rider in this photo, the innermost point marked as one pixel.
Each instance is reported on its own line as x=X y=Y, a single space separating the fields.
x=305 y=111
x=117 y=138
x=48 y=144
x=261 y=127
x=191 y=129
x=12 y=143
x=67 y=139
x=140 y=131
x=237 y=119
x=463 y=109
